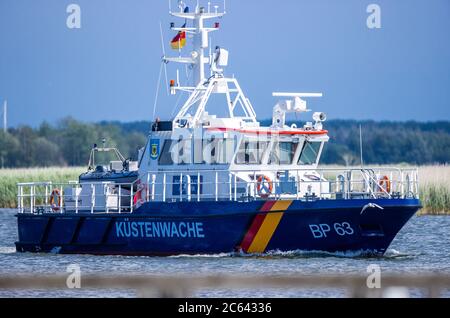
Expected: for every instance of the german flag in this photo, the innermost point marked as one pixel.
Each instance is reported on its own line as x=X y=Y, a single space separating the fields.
x=179 y=41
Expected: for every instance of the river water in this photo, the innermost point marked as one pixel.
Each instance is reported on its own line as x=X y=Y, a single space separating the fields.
x=423 y=246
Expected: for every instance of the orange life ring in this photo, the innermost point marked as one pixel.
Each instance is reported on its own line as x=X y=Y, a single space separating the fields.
x=264 y=186
x=55 y=200
x=385 y=183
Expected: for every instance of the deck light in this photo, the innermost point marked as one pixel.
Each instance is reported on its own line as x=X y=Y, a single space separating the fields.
x=319 y=117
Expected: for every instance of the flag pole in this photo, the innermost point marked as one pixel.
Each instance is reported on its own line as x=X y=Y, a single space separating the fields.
x=361 y=145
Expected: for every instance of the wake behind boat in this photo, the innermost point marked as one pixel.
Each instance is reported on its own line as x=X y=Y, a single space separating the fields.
x=213 y=180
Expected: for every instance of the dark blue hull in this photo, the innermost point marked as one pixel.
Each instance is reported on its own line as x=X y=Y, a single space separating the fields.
x=221 y=227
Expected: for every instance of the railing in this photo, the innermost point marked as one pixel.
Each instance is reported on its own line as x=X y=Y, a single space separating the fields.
x=217 y=185
x=98 y=197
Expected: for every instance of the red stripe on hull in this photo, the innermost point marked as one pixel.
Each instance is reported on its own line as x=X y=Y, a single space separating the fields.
x=251 y=233
x=267 y=206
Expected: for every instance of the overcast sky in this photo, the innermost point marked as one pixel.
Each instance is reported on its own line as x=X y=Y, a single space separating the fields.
x=108 y=69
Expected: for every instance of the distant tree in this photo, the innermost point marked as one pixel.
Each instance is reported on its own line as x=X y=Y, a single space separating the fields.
x=135 y=141
x=46 y=131
x=70 y=142
x=47 y=154
x=76 y=140
x=9 y=150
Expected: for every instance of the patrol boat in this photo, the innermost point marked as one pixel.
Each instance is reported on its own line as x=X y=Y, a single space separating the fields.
x=214 y=180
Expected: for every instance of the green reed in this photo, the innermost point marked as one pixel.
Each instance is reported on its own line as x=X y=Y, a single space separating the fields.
x=10 y=177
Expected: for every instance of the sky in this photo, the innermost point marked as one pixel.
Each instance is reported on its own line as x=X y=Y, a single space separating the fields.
x=108 y=69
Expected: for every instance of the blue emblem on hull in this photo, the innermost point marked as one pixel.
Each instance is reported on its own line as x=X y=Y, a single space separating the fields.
x=154 y=149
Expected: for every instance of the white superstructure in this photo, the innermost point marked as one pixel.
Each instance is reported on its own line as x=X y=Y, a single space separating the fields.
x=216 y=128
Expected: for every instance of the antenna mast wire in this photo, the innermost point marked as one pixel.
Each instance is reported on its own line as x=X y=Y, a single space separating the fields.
x=5 y=116
x=361 y=145
x=158 y=86
x=164 y=53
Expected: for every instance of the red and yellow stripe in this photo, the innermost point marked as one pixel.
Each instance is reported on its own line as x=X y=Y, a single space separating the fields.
x=264 y=225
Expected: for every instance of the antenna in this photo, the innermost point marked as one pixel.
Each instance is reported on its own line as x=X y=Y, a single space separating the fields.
x=158 y=85
x=5 y=116
x=361 y=145
x=164 y=54
x=294 y=105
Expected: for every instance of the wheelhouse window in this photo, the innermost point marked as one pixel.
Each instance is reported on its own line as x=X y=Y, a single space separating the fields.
x=251 y=152
x=165 y=159
x=283 y=153
x=218 y=151
x=213 y=151
x=176 y=152
x=310 y=153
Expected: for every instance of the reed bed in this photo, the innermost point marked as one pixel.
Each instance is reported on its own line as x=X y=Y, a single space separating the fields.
x=434 y=185
x=435 y=189
x=10 y=177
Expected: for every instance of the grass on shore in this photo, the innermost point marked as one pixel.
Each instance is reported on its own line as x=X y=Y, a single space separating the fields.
x=435 y=189
x=10 y=177
x=434 y=184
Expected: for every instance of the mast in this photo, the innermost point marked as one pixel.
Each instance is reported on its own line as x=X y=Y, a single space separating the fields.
x=200 y=35
x=202 y=87
x=361 y=146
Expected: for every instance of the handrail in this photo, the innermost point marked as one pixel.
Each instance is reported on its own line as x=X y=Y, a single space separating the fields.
x=216 y=185
x=273 y=168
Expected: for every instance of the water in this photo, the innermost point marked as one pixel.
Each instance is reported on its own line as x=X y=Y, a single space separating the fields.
x=422 y=246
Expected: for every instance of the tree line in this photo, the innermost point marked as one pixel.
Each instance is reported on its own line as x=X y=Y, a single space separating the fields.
x=388 y=142
x=69 y=142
